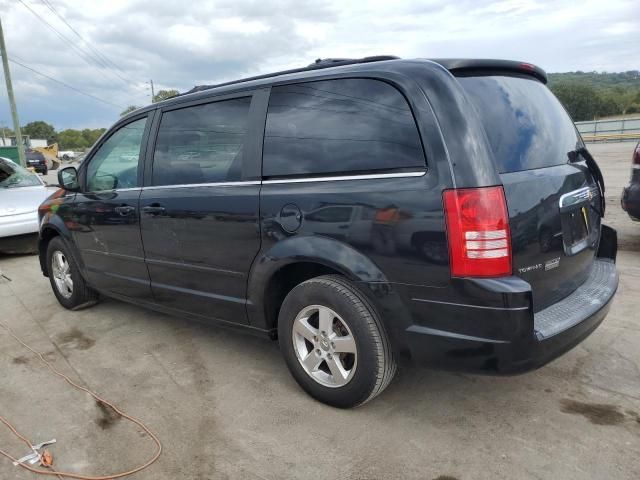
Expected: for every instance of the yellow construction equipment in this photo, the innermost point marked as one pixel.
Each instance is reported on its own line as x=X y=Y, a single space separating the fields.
x=51 y=153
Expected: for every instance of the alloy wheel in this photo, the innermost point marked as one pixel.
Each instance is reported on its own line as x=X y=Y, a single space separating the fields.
x=324 y=346
x=61 y=271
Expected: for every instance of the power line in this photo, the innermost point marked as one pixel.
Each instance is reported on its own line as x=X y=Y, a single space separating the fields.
x=64 y=84
x=94 y=49
x=82 y=54
x=79 y=51
x=91 y=47
x=49 y=74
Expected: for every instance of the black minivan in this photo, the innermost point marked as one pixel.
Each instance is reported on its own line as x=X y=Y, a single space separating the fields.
x=363 y=212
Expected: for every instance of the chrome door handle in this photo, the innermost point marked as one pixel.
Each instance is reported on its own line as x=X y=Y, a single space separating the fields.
x=154 y=210
x=125 y=210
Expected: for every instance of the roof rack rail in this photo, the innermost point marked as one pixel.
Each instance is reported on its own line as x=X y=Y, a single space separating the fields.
x=318 y=64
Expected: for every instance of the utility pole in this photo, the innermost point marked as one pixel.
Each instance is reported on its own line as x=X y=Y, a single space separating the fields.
x=12 y=100
x=153 y=92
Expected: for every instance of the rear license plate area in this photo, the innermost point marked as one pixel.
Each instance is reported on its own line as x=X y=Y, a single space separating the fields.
x=580 y=222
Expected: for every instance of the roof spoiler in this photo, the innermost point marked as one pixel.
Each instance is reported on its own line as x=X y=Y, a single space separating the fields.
x=466 y=66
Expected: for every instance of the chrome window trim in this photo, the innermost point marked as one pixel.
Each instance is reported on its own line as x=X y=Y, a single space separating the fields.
x=193 y=185
x=113 y=190
x=370 y=176
x=131 y=189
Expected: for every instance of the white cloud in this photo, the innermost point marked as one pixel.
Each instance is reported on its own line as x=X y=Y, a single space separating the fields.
x=182 y=44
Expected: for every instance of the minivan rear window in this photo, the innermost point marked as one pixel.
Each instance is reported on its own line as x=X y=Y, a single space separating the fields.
x=526 y=125
x=339 y=126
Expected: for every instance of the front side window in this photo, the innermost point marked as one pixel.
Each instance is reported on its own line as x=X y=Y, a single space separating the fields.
x=116 y=163
x=201 y=144
x=338 y=126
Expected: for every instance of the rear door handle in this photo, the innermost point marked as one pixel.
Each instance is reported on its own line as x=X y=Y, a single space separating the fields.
x=154 y=209
x=125 y=210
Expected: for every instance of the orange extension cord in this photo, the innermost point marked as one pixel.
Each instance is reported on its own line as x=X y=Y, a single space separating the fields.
x=96 y=397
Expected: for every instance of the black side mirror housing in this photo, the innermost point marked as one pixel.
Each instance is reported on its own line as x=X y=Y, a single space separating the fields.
x=68 y=179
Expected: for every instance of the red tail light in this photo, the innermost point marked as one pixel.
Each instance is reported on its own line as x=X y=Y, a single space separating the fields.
x=478 y=232
x=635 y=161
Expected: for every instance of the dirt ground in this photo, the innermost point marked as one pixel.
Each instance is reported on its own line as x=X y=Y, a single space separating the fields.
x=224 y=405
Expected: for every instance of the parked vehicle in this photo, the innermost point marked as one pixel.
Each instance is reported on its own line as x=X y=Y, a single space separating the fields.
x=66 y=154
x=361 y=211
x=631 y=194
x=21 y=192
x=37 y=161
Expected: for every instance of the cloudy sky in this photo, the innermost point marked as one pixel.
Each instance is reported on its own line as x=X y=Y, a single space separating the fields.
x=179 y=44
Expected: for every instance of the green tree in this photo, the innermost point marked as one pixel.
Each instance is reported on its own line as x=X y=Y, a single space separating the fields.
x=164 y=94
x=71 y=139
x=627 y=98
x=40 y=129
x=91 y=135
x=580 y=100
x=128 y=110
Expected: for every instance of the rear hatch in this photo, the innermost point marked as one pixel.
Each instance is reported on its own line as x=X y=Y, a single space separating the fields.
x=553 y=199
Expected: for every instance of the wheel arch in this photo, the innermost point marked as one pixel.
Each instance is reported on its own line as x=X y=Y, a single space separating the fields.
x=47 y=234
x=55 y=227
x=296 y=259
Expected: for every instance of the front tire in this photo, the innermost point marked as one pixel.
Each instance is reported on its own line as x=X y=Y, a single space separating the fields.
x=333 y=342
x=66 y=281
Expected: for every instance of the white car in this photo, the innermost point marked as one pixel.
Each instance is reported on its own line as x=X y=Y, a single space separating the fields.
x=21 y=193
x=66 y=154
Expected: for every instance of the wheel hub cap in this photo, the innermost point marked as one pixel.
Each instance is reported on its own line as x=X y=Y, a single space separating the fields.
x=61 y=271
x=324 y=346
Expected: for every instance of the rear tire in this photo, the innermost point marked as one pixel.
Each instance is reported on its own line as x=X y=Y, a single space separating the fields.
x=66 y=281
x=343 y=365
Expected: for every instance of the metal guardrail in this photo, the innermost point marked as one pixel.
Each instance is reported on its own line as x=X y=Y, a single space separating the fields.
x=617 y=130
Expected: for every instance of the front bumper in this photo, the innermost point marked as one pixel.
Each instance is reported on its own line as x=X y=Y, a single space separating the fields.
x=511 y=338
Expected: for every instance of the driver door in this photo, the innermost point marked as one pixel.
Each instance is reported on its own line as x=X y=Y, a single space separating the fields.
x=107 y=217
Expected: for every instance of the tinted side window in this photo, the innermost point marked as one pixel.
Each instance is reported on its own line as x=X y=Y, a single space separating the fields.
x=201 y=144
x=115 y=164
x=336 y=126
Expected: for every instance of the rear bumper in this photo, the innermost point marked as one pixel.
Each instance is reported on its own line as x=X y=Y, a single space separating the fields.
x=508 y=338
x=630 y=200
x=38 y=167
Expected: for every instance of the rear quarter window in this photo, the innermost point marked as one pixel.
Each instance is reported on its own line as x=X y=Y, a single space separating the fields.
x=526 y=125
x=339 y=126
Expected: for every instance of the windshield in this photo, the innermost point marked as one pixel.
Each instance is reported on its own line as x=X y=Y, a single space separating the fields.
x=525 y=123
x=14 y=176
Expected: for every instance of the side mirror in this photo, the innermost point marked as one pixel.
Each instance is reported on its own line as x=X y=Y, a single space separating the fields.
x=68 y=179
